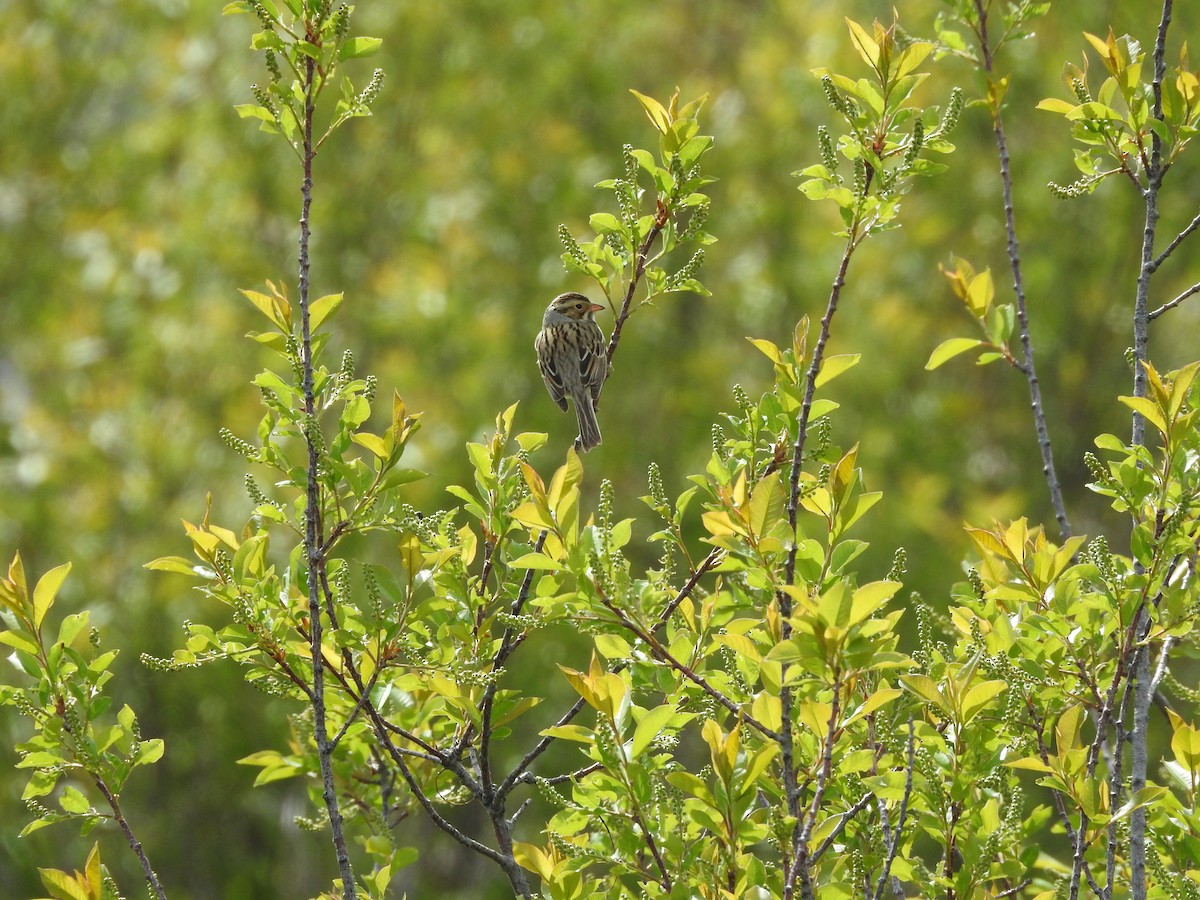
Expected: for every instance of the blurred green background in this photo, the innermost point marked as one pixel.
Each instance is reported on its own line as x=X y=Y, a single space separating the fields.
x=134 y=202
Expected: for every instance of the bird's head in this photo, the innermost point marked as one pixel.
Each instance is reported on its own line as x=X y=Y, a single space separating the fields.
x=573 y=306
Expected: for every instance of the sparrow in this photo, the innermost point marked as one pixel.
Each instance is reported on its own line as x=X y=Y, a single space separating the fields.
x=573 y=362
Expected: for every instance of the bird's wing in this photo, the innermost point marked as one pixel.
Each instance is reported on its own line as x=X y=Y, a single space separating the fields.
x=593 y=363
x=550 y=375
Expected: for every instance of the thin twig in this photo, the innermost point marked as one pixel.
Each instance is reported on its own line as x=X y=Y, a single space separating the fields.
x=802 y=864
x=786 y=750
x=1154 y=314
x=312 y=515
x=1143 y=696
x=1175 y=242
x=1161 y=669
x=661 y=216
x=518 y=772
x=663 y=655
x=115 y=805
x=1014 y=259
x=843 y=821
x=1154 y=175
x=508 y=643
x=894 y=844
x=714 y=557
x=1059 y=803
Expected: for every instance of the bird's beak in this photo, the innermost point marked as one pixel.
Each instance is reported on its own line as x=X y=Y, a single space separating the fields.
x=595 y=307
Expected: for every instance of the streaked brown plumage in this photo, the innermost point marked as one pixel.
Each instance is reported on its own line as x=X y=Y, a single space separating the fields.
x=572 y=359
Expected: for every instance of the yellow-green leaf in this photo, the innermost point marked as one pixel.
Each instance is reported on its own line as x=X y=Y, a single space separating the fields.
x=659 y=117
x=650 y=727
x=171 y=564
x=979 y=697
x=927 y=689
x=833 y=366
x=536 y=561
x=46 y=590
x=949 y=349
x=322 y=308
x=769 y=350
x=569 y=733
x=1149 y=409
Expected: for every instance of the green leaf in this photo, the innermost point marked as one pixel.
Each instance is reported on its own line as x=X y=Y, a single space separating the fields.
x=1031 y=763
x=71 y=626
x=863 y=43
x=569 y=733
x=927 y=689
x=373 y=443
x=171 y=564
x=400 y=477
x=833 y=366
x=322 y=308
x=1054 y=104
x=605 y=223
x=19 y=640
x=73 y=801
x=1149 y=410
x=536 y=561
x=264 y=303
x=651 y=726
x=149 y=752
x=769 y=350
x=979 y=697
x=659 y=117
x=358 y=47
x=266 y=40
x=47 y=590
x=947 y=350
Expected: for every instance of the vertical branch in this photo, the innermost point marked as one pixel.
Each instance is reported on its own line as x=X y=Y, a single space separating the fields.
x=661 y=216
x=787 y=757
x=1154 y=176
x=114 y=803
x=894 y=839
x=1014 y=258
x=1144 y=693
x=802 y=865
x=314 y=552
x=810 y=387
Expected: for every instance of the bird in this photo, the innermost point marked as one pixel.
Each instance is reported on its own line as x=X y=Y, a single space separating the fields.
x=573 y=362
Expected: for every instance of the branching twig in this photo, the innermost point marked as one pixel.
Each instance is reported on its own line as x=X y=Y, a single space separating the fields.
x=714 y=557
x=786 y=750
x=661 y=216
x=312 y=516
x=114 y=804
x=508 y=643
x=843 y=821
x=1144 y=696
x=894 y=843
x=802 y=864
x=659 y=652
x=1059 y=803
x=1154 y=175
x=518 y=774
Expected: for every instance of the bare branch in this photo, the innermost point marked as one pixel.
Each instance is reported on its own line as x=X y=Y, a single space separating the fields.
x=1014 y=258
x=1154 y=314
x=1175 y=242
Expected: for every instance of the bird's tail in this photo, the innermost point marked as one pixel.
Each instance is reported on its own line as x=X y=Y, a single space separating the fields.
x=589 y=428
